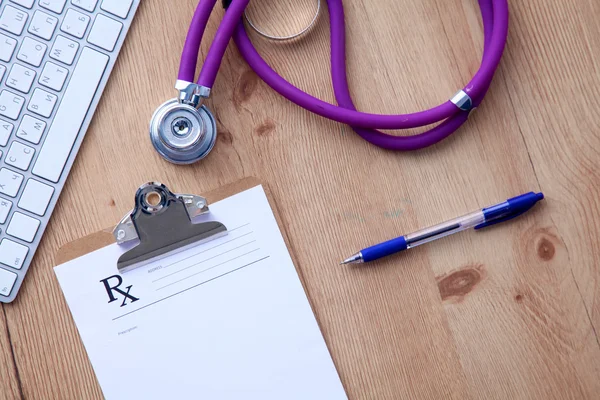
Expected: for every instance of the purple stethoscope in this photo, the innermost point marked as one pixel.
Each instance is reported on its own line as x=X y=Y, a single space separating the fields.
x=184 y=131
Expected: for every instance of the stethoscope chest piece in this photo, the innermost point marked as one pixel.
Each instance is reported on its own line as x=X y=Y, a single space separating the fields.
x=181 y=133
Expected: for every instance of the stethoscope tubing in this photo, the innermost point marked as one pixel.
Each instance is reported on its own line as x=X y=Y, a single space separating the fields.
x=495 y=22
x=191 y=47
x=234 y=14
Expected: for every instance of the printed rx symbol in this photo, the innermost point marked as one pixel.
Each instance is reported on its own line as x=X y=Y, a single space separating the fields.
x=111 y=290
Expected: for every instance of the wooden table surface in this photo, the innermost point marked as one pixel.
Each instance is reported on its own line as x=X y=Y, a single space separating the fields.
x=509 y=313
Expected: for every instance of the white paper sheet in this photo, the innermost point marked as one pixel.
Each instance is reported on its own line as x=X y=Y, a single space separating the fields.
x=227 y=319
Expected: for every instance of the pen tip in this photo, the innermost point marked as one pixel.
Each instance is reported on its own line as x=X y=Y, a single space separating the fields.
x=357 y=258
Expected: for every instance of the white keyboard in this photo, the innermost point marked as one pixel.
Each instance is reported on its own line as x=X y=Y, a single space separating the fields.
x=55 y=59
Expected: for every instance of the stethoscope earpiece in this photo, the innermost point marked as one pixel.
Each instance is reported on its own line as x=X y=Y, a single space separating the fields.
x=181 y=133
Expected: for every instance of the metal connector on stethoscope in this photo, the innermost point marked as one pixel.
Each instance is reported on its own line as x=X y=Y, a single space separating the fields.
x=183 y=130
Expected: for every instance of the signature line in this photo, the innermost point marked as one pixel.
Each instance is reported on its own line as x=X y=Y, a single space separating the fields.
x=205 y=250
x=200 y=262
x=192 y=287
x=208 y=269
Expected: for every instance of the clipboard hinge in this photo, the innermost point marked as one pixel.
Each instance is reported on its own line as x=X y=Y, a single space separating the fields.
x=163 y=223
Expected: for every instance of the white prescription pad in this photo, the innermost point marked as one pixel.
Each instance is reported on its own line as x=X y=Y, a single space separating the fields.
x=227 y=319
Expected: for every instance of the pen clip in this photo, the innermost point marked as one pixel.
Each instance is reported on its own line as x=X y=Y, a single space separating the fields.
x=513 y=207
x=507 y=217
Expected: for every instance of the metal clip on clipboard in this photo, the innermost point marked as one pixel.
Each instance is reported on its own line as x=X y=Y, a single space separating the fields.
x=163 y=223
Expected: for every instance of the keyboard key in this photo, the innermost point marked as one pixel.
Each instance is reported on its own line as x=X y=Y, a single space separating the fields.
x=56 y=6
x=120 y=8
x=31 y=129
x=70 y=115
x=20 y=78
x=7 y=281
x=53 y=76
x=10 y=182
x=13 y=20
x=64 y=50
x=6 y=129
x=32 y=52
x=43 y=25
x=42 y=103
x=36 y=197
x=19 y=156
x=2 y=71
x=7 y=47
x=23 y=227
x=75 y=23
x=24 y=3
x=5 y=207
x=12 y=254
x=105 y=32
x=87 y=5
x=10 y=104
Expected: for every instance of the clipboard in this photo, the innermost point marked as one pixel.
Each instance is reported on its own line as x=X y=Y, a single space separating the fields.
x=269 y=319
x=98 y=240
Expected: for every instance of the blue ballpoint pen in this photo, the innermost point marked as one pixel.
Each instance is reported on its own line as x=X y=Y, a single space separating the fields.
x=495 y=214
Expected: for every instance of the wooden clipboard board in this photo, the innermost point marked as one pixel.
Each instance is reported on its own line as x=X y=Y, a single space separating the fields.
x=98 y=240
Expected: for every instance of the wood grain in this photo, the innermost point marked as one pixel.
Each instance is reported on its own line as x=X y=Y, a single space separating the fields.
x=513 y=312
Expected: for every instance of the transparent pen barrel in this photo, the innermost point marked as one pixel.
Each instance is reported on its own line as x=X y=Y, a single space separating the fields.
x=444 y=229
